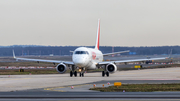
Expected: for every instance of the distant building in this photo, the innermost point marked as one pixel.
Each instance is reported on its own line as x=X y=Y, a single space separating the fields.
x=51 y=55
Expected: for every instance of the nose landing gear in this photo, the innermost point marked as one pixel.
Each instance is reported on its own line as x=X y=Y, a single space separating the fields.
x=73 y=72
x=81 y=74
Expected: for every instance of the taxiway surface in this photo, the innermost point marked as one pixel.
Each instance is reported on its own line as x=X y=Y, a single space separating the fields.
x=57 y=86
x=25 y=82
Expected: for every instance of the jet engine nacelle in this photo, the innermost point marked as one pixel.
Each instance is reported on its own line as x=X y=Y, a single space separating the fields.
x=111 y=68
x=61 y=68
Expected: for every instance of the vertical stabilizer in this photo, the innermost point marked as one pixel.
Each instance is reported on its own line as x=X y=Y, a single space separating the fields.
x=98 y=35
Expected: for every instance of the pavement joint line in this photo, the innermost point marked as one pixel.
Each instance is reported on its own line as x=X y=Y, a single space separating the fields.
x=15 y=79
x=53 y=88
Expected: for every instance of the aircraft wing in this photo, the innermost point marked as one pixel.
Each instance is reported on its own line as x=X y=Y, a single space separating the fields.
x=134 y=60
x=115 y=53
x=41 y=60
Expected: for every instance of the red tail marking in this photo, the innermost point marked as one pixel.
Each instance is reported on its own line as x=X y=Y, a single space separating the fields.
x=98 y=35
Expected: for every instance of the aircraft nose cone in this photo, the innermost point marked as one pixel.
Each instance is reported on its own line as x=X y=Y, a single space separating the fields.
x=79 y=62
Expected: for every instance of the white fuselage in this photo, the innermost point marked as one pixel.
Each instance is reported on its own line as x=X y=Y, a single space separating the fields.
x=87 y=57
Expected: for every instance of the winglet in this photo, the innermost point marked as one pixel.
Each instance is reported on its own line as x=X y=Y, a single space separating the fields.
x=14 y=54
x=170 y=54
x=98 y=35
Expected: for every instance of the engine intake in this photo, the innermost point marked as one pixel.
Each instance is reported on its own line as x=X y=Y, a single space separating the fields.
x=111 y=68
x=61 y=68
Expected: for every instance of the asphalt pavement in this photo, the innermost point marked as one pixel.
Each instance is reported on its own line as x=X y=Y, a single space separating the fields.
x=58 y=87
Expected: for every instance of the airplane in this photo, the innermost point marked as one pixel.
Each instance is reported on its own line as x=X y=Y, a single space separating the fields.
x=89 y=58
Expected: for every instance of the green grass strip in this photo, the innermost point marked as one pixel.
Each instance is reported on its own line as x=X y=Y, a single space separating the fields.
x=139 y=88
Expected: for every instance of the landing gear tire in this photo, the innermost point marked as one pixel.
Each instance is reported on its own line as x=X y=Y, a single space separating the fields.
x=81 y=74
x=75 y=73
x=107 y=74
x=103 y=73
x=71 y=73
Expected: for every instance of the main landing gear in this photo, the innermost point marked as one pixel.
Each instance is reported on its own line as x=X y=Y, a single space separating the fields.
x=73 y=72
x=105 y=73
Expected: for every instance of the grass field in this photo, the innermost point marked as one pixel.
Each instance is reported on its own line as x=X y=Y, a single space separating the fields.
x=53 y=71
x=139 y=88
x=28 y=71
x=35 y=64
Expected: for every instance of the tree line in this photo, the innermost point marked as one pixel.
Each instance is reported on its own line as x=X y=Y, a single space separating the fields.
x=23 y=50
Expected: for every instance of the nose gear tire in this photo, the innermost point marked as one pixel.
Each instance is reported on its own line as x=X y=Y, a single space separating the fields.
x=80 y=74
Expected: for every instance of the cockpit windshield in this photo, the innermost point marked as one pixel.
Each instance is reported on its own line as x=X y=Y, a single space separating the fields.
x=81 y=52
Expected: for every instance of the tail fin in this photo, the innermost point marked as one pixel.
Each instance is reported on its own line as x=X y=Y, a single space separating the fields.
x=98 y=35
